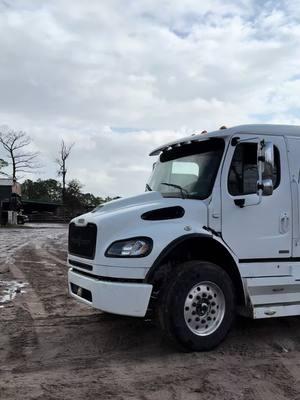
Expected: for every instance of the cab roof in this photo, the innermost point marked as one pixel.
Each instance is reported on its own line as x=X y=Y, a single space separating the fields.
x=262 y=129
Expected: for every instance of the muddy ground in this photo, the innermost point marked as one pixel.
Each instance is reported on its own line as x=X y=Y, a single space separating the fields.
x=51 y=347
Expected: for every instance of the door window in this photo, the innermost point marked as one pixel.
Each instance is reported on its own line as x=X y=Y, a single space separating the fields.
x=243 y=172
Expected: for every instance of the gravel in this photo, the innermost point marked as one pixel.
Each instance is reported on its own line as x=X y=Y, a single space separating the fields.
x=52 y=347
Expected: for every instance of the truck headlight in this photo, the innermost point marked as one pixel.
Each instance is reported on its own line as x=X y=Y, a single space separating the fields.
x=135 y=247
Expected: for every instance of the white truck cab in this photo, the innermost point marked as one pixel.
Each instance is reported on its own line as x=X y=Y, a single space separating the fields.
x=216 y=233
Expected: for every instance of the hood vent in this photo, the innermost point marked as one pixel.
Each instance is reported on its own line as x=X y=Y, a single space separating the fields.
x=163 y=213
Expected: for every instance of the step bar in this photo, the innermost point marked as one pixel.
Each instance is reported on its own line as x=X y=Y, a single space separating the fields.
x=273 y=296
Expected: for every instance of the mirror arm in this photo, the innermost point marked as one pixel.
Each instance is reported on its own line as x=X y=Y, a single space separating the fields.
x=240 y=202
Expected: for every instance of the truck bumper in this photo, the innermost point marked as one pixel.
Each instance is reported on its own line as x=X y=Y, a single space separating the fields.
x=122 y=298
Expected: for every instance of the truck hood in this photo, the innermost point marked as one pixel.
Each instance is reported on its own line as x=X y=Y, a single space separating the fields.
x=133 y=201
x=122 y=219
x=131 y=208
x=125 y=215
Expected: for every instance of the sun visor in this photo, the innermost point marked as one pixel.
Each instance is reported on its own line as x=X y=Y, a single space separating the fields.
x=184 y=141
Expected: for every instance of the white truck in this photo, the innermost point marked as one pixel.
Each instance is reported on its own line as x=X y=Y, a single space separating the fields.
x=216 y=233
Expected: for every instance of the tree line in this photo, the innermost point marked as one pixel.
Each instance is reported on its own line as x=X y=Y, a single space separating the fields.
x=20 y=159
x=51 y=190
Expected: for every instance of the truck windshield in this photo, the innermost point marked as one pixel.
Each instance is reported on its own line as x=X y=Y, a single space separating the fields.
x=191 y=168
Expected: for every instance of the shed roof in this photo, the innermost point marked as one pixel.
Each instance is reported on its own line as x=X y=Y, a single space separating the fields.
x=46 y=202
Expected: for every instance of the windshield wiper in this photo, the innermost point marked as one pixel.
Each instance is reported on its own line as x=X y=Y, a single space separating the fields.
x=148 y=188
x=184 y=192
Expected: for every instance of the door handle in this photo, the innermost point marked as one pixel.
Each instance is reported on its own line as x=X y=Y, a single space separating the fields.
x=284 y=223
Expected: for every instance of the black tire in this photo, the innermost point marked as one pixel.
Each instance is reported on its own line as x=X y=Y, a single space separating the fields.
x=172 y=312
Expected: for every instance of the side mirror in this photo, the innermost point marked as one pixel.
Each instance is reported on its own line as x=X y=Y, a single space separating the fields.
x=153 y=166
x=266 y=168
x=268 y=155
x=267 y=187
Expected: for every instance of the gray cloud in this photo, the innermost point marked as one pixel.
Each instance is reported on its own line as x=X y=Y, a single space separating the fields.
x=119 y=78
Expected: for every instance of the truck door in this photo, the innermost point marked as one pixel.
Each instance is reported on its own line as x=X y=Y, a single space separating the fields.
x=256 y=231
x=294 y=163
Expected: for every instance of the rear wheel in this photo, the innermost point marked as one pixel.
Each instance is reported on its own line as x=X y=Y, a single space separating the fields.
x=197 y=307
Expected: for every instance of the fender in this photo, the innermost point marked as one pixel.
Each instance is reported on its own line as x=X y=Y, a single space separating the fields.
x=230 y=265
x=168 y=250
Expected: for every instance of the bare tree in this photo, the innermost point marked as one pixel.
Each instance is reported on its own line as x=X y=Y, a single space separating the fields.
x=15 y=143
x=3 y=164
x=64 y=152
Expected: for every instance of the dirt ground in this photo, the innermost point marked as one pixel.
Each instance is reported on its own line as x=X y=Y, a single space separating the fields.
x=51 y=347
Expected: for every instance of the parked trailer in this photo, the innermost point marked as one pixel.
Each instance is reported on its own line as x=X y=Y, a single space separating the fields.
x=216 y=233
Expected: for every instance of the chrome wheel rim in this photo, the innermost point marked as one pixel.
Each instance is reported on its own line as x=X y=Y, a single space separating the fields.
x=204 y=308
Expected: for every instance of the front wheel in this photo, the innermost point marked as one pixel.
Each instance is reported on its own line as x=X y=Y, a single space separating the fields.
x=197 y=307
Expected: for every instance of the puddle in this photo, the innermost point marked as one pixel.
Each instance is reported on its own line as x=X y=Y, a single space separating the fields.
x=46 y=263
x=9 y=290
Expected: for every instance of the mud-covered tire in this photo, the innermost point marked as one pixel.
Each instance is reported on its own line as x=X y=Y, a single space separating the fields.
x=183 y=296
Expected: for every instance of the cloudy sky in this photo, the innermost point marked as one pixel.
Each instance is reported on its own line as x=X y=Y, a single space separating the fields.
x=119 y=77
